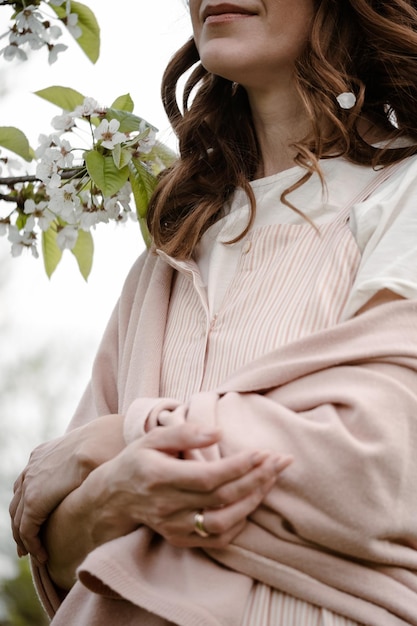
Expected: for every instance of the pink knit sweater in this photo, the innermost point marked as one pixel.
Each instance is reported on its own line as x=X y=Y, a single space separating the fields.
x=339 y=529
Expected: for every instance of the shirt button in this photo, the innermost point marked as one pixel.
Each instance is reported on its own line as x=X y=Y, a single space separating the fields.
x=246 y=247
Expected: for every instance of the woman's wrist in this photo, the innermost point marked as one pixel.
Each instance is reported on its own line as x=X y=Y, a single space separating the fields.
x=102 y=440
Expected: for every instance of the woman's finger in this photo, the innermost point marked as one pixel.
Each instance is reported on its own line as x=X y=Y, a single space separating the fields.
x=216 y=527
x=235 y=490
x=218 y=521
x=221 y=521
x=175 y=439
x=205 y=477
x=25 y=528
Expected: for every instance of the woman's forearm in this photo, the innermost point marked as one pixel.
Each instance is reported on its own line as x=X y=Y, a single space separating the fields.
x=78 y=525
x=67 y=536
x=66 y=541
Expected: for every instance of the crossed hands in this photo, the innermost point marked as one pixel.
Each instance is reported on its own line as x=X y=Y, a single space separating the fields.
x=114 y=487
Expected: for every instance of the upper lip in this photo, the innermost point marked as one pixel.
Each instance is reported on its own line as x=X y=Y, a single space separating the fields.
x=220 y=9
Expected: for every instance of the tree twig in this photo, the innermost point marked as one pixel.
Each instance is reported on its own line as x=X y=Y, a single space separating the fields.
x=77 y=172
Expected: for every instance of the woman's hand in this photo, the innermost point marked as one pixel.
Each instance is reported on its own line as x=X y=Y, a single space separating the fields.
x=156 y=489
x=147 y=484
x=56 y=468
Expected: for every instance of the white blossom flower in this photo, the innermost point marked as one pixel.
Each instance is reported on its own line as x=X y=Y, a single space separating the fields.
x=67 y=237
x=124 y=196
x=54 y=50
x=63 y=122
x=35 y=42
x=45 y=220
x=107 y=132
x=55 y=153
x=72 y=25
x=123 y=217
x=12 y=165
x=34 y=250
x=89 y=219
x=20 y=241
x=59 y=3
x=30 y=206
x=147 y=142
x=14 y=234
x=30 y=224
x=41 y=211
x=87 y=108
x=65 y=202
x=54 y=32
x=86 y=200
x=111 y=208
x=13 y=51
x=47 y=172
x=59 y=152
x=66 y=155
x=45 y=142
x=30 y=19
x=54 y=182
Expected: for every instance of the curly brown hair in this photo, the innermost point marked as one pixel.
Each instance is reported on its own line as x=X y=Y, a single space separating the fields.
x=365 y=46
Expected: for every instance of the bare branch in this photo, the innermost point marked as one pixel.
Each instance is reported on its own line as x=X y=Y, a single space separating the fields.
x=76 y=172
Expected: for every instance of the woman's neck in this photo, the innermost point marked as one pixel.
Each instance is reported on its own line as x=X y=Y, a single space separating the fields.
x=280 y=120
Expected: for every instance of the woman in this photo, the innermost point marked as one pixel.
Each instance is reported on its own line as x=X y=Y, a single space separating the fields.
x=244 y=453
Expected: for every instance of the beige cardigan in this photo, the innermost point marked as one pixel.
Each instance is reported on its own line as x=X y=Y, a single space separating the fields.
x=340 y=528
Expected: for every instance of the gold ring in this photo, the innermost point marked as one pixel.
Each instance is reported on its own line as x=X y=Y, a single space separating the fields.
x=199 y=524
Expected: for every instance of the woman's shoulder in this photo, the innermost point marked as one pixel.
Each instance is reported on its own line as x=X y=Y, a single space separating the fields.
x=385 y=230
x=401 y=178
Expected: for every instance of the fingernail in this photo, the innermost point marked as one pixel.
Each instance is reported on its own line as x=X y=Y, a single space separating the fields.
x=207 y=434
x=259 y=456
x=282 y=462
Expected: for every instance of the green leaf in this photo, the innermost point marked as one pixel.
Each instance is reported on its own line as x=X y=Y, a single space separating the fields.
x=123 y=103
x=13 y=139
x=84 y=252
x=145 y=231
x=89 y=41
x=52 y=254
x=104 y=173
x=65 y=97
x=121 y=156
x=128 y=121
x=160 y=157
x=21 y=220
x=143 y=184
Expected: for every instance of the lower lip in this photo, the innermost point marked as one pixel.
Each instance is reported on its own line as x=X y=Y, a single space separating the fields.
x=226 y=17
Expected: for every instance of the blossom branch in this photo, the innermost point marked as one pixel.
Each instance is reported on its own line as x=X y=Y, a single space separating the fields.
x=10 y=181
x=76 y=188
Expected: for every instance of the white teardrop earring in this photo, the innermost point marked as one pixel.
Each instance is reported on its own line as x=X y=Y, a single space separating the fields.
x=346 y=100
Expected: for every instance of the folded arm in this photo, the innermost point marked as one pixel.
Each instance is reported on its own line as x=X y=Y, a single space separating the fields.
x=343 y=404
x=148 y=484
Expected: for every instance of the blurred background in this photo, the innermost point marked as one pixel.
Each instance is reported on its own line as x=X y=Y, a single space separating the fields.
x=50 y=328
